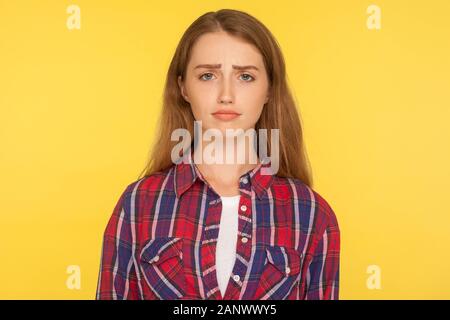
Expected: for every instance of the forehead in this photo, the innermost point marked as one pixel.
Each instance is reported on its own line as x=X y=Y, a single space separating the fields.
x=220 y=47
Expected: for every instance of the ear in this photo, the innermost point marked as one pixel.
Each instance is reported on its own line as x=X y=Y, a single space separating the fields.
x=268 y=94
x=182 y=89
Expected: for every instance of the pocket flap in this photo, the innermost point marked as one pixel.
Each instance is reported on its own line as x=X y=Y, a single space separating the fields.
x=285 y=259
x=160 y=249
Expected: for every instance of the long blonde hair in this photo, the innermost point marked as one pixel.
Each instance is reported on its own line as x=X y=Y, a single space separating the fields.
x=280 y=112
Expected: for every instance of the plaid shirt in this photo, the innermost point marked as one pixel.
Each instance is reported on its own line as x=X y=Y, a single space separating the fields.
x=161 y=239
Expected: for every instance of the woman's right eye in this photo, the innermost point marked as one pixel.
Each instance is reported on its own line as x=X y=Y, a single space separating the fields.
x=202 y=77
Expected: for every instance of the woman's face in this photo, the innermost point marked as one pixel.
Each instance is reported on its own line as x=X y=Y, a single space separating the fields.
x=225 y=73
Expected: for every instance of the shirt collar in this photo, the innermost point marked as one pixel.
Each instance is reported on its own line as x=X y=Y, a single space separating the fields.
x=186 y=172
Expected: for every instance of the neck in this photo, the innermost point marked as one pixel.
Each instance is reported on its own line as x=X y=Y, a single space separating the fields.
x=212 y=161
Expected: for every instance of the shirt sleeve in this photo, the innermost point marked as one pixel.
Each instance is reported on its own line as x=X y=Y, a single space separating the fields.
x=117 y=279
x=323 y=272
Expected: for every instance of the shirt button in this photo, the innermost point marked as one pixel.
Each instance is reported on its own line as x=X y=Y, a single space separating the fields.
x=236 y=278
x=244 y=180
x=244 y=207
x=288 y=270
x=155 y=259
x=244 y=240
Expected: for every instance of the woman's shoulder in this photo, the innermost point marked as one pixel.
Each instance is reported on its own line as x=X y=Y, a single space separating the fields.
x=308 y=199
x=150 y=183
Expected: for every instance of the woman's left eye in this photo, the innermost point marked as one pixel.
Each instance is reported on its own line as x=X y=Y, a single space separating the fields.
x=247 y=77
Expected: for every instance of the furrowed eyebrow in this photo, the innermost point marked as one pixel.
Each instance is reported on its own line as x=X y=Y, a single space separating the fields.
x=217 y=66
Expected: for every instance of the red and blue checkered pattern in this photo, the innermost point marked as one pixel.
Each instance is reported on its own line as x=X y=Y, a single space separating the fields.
x=161 y=239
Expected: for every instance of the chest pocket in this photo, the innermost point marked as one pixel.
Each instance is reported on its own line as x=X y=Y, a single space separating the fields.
x=280 y=276
x=161 y=262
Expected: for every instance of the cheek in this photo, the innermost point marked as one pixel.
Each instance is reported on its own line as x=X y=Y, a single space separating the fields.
x=252 y=102
x=255 y=94
x=254 y=115
x=201 y=108
x=201 y=101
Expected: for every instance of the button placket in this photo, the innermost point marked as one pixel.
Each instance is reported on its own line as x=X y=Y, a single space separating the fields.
x=241 y=264
x=245 y=219
x=244 y=231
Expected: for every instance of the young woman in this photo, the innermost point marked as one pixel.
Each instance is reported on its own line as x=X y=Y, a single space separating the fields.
x=190 y=229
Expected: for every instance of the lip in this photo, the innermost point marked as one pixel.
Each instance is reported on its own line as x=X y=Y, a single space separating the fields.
x=226 y=115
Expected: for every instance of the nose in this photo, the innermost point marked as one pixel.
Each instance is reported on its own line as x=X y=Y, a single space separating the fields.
x=226 y=92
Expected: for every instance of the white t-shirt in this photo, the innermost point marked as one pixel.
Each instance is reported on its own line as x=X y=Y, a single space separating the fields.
x=226 y=243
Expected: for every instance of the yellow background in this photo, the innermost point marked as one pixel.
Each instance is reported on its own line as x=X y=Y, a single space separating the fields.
x=78 y=110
